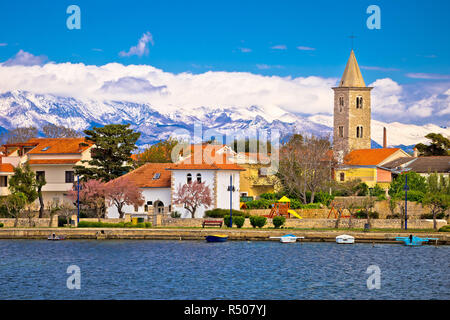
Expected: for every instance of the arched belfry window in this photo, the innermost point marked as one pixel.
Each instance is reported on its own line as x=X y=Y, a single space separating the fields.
x=359 y=131
x=341 y=103
x=359 y=102
x=199 y=177
x=189 y=178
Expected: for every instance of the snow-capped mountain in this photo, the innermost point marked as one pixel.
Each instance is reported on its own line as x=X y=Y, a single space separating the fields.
x=22 y=108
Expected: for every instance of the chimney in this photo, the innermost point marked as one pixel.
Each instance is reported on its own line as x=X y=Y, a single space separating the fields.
x=384 y=138
x=415 y=153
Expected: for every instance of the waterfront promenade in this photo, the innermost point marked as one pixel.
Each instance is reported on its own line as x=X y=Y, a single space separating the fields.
x=200 y=233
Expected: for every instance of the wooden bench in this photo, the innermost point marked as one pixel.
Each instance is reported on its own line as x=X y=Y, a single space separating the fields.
x=212 y=223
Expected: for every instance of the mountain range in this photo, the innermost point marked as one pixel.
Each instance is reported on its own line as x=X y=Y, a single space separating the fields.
x=23 y=108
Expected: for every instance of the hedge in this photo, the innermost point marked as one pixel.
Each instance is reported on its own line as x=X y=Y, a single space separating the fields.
x=445 y=229
x=258 y=221
x=278 y=221
x=1 y=225
x=220 y=213
x=238 y=221
x=89 y=224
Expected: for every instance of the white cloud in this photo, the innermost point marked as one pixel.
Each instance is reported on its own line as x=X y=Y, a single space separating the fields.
x=169 y=92
x=141 y=48
x=245 y=50
x=3 y=44
x=379 y=68
x=267 y=67
x=23 y=58
x=431 y=76
x=303 y=48
x=279 y=47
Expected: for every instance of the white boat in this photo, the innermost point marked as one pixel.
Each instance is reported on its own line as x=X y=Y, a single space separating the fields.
x=288 y=238
x=344 y=238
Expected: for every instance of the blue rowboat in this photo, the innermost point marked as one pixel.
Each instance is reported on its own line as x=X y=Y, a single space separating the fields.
x=413 y=240
x=216 y=238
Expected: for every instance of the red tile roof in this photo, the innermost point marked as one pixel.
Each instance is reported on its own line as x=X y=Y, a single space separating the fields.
x=6 y=167
x=369 y=157
x=144 y=176
x=59 y=145
x=53 y=161
x=202 y=161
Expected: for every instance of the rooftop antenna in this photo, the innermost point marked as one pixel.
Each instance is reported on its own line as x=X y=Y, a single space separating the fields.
x=352 y=37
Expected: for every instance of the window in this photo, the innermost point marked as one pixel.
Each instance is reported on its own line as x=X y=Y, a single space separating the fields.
x=46 y=148
x=341 y=131
x=342 y=176
x=359 y=131
x=3 y=181
x=341 y=103
x=69 y=177
x=149 y=203
x=189 y=178
x=136 y=208
x=262 y=172
x=199 y=178
x=40 y=175
x=156 y=176
x=359 y=102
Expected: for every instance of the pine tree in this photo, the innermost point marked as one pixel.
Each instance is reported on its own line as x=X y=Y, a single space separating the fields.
x=111 y=153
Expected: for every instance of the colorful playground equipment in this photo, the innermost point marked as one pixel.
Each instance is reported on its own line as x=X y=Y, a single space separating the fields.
x=282 y=208
x=413 y=240
x=336 y=209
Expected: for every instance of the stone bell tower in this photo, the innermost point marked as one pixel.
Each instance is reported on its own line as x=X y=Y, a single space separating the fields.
x=351 y=111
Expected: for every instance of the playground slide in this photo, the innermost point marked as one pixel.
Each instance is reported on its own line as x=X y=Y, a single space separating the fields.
x=295 y=214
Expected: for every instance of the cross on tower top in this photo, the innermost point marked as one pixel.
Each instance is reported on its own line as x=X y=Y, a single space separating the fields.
x=352 y=37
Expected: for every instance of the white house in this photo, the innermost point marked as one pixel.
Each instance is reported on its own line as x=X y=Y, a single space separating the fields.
x=160 y=181
x=52 y=158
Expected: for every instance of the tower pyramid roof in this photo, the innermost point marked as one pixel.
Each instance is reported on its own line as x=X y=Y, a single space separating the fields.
x=352 y=75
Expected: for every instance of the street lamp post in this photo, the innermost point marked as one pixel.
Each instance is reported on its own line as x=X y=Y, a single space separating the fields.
x=406 y=188
x=78 y=199
x=231 y=189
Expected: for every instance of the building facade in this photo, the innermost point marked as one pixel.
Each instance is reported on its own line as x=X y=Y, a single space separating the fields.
x=352 y=111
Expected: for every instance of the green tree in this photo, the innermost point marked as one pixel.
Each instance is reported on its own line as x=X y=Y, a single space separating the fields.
x=439 y=145
x=160 y=152
x=24 y=181
x=415 y=182
x=438 y=203
x=111 y=153
x=15 y=203
x=437 y=197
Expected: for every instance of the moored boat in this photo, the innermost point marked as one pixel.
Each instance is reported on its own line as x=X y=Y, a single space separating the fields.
x=216 y=238
x=345 y=238
x=288 y=238
x=413 y=240
x=54 y=237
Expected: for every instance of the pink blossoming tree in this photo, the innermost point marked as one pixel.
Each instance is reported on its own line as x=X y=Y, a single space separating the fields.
x=92 y=194
x=123 y=191
x=193 y=195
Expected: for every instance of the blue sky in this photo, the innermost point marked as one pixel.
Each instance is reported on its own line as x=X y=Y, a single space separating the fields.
x=254 y=36
x=283 y=56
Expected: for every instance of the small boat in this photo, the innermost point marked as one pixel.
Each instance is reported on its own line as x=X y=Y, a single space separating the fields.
x=413 y=240
x=288 y=238
x=345 y=238
x=54 y=237
x=216 y=238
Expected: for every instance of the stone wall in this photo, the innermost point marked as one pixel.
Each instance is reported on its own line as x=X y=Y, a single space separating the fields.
x=415 y=210
x=316 y=223
x=25 y=223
